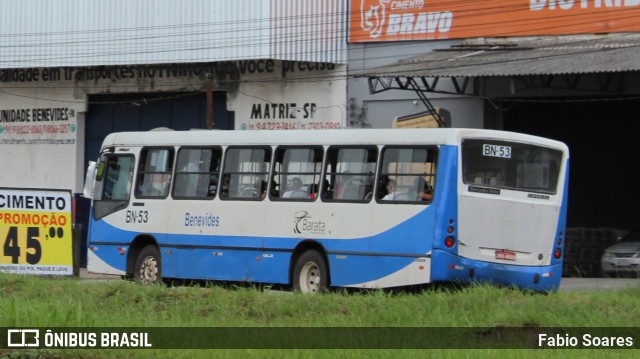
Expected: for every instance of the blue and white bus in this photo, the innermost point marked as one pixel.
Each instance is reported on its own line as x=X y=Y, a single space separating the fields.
x=312 y=209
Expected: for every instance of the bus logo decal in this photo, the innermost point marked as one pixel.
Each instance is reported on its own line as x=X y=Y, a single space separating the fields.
x=299 y=216
x=302 y=224
x=21 y=338
x=372 y=19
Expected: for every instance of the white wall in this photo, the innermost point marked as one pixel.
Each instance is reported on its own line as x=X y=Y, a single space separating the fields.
x=465 y=112
x=301 y=100
x=39 y=135
x=37 y=153
x=379 y=110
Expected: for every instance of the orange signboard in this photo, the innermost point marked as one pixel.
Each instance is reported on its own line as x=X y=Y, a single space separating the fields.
x=398 y=20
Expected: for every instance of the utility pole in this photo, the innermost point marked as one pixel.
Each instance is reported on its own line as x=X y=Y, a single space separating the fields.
x=209 y=105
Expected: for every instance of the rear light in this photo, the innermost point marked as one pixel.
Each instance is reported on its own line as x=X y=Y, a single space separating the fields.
x=557 y=253
x=560 y=238
x=449 y=241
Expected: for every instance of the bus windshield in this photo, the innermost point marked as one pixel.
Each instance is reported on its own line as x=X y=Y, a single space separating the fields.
x=510 y=165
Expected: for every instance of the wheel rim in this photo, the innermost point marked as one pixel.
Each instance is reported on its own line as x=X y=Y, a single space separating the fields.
x=149 y=270
x=310 y=278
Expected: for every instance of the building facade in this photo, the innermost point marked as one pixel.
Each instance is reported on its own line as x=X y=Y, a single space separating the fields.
x=562 y=69
x=115 y=65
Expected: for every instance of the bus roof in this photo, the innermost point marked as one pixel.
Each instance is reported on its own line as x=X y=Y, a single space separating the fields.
x=326 y=137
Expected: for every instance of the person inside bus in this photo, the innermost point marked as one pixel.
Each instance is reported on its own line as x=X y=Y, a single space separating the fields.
x=392 y=195
x=313 y=190
x=327 y=190
x=154 y=185
x=274 y=189
x=294 y=189
x=425 y=192
x=263 y=189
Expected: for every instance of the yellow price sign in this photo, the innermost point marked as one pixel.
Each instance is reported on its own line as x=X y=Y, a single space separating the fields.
x=36 y=232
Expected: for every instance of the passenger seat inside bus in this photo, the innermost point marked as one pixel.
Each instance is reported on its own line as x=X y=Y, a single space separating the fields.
x=353 y=189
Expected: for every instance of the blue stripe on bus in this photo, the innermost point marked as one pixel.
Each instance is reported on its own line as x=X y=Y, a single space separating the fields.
x=562 y=221
x=267 y=259
x=452 y=268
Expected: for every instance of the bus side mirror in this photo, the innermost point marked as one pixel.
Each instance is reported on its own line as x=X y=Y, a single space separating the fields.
x=88 y=180
x=99 y=171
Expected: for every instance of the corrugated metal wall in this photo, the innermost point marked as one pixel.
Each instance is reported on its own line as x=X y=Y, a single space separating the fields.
x=309 y=30
x=60 y=33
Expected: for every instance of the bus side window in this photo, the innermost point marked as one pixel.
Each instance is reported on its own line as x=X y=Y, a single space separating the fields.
x=154 y=172
x=197 y=173
x=297 y=171
x=119 y=171
x=245 y=173
x=407 y=174
x=351 y=170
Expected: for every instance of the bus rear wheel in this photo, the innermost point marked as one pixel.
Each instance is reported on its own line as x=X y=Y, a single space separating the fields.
x=310 y=273
x=148 y=268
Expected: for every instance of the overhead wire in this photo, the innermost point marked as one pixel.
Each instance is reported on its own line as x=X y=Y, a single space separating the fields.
x=284 y=27
x=127 y=51
x=238 y=42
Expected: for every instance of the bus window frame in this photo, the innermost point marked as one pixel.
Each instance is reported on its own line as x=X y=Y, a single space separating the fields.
x=211 y=173
x=276 y=195
x=222 y=182
x=142 y=155
x=512 y=175
x=433 y=152
x=333 y=177
x=103 y=206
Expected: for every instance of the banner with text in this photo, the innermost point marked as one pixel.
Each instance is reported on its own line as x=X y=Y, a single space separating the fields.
x=38 y=126
x=36 y=231
x=501 y=337
x=392 y=20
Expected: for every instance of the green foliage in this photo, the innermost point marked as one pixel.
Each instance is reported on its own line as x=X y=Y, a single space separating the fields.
x=52 y=302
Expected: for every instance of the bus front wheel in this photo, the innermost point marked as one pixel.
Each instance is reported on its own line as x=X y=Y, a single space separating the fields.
x=148 y=268
x=310 y=274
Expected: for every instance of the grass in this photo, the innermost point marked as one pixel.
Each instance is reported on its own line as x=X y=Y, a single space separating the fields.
x=51 y=302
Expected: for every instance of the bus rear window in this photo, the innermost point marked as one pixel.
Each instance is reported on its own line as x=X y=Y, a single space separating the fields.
x=510 y=165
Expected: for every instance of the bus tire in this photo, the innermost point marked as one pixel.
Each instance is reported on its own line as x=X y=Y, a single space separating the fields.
x=148 y=268
x=310 y=273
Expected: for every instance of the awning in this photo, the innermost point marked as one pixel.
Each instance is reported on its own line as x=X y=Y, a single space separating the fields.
x=521 y=57
x=571 y=57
